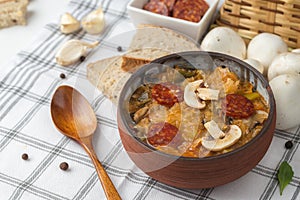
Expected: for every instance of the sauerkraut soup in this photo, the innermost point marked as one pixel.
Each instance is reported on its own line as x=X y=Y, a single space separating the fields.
x=190 y=112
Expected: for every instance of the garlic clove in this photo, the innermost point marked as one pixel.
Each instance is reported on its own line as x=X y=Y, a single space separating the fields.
x=72 y=50
x=94 y=22
x=68 y=24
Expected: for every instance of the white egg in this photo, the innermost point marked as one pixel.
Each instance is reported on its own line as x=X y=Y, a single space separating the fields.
x=224 y=40
x=286 y=89
x=265 y=47
x=285 y=63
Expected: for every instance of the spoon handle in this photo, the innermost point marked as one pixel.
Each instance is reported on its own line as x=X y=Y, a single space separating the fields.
x=108 y=187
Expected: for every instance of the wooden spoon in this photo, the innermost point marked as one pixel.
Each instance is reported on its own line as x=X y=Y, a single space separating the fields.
x=74 y=117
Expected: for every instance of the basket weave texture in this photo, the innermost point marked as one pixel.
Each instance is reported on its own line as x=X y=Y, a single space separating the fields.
x=250 y=17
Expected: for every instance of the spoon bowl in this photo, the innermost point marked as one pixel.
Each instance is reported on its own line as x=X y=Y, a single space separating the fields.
x=74 y=117
x=72 y=113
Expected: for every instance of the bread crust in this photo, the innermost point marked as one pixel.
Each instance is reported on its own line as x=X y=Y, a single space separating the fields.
x=132 y=60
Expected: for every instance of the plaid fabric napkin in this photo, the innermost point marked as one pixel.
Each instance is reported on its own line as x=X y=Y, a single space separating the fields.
x=26 y=87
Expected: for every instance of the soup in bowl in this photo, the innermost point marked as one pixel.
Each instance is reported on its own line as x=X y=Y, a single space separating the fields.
x=196 y=119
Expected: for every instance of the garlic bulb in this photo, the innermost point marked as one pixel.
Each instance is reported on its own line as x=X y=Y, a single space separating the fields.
x=68 y=24
x=94 y=22
x=72 y=50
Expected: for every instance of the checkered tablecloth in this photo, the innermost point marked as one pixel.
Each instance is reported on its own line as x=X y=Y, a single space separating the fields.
x=27 y=85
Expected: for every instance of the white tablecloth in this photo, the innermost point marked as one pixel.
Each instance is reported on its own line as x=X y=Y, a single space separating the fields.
x=27 y=85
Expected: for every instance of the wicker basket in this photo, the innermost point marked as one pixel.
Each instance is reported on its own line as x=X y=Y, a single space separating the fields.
x=250 y=17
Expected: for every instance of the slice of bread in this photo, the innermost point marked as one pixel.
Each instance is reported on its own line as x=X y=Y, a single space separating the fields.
x=96 y=69
x=108 y=76
x=151 y=42
x=133 y=59
x=150 y=36
x=13 y=12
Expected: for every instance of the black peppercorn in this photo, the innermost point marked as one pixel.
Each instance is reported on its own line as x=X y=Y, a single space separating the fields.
x=119 y=48
x=64 y=166
x=288 y=144
x=25 y=156
x=82 y=58
x=62 y=76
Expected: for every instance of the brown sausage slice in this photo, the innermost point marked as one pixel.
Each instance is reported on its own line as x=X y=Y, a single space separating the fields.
x=167 y=94
x=190 y=10
x=237 y=106
x=157 y=7
x=161 y=134
x=168 y=3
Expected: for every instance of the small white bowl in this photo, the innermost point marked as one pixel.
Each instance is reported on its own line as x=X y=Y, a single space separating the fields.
x=191 y=29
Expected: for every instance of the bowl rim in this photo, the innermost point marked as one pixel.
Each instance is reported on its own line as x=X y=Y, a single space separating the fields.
x=263 y=131
x=211 y=8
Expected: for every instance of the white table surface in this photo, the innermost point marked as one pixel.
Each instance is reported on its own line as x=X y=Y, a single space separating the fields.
x=40 y=12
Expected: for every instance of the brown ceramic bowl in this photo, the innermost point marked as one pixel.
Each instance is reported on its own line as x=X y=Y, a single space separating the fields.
x=185 y=172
